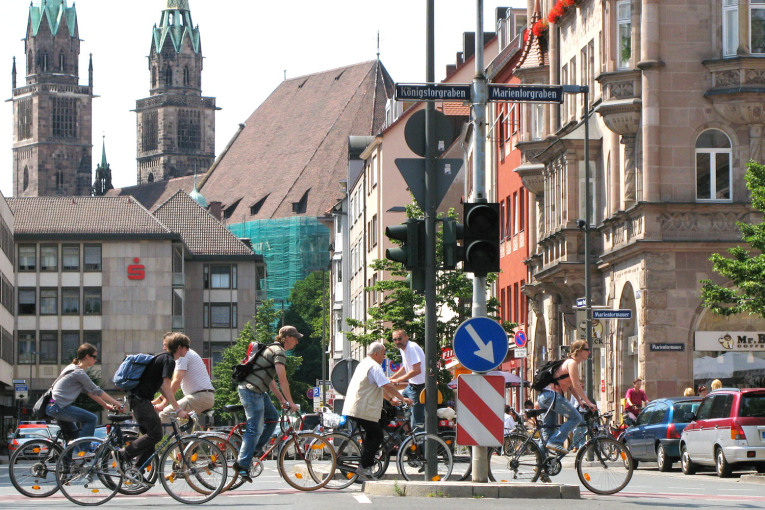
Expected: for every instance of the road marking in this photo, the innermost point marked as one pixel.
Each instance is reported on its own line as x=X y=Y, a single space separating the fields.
x=361 y=498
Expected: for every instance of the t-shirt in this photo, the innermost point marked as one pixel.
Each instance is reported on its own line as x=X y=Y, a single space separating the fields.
x=163 y=365
x=410 y=356
x=264 y=369
x=637 y=397
x=196 y=377
x=509 y=423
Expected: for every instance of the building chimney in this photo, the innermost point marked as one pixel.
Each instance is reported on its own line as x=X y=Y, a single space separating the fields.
x=215 y=209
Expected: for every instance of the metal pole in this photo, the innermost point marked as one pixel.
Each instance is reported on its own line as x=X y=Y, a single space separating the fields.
x=323 y=339
x=480 y=93
x=431 y=347
x=587 y=223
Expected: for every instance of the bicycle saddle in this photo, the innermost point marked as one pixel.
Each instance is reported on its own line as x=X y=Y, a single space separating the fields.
x=116 y=418
x=235 y=408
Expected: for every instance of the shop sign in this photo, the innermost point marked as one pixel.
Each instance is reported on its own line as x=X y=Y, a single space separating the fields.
x=666 y=347
x=737 y=341
x=136 y=271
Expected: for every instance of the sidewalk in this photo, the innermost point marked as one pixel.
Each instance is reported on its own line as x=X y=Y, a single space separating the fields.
x=472 y=490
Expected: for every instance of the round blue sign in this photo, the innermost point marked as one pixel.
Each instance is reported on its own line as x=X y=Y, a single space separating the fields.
x=520 y=338
x=480 y=344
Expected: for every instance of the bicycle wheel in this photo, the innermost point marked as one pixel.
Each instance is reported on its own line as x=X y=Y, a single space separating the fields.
x=88 y=472
x=524 y=458
x=193 y=472
x=32 y=468
x=348 y=460
x=307 y=461
x=604 y=465
x=230 y=453
x=382 y=455
x=410 y=460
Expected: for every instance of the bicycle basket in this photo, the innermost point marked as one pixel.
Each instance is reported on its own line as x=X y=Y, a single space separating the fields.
x=332 y=420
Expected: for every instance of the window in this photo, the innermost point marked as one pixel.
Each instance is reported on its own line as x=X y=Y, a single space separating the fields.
x=92 y=254
x=48 y=347
x=537 y=121
x=721 y=405
x=503 y=220
x=623 y=33
x=93 y=338
x=70 y=301
x=48 y=257
x=27 y=257
x=24 y=119
x=64 y=117
x=220 y=276
x=713 y=166
x=70 y=341
x=704 y=408
x=27 y=302
x=519 y=211
x=48 y=301
x=219 y=315
x=659 y=414
x=91 y=300
x=730 y=28
x=149 y=130
x=373 y=231
x=516 y=216
x=645 y=417
x=757 y=27
x=70 y=257
x=189 y=129
x=573 y=98
x=26 y=347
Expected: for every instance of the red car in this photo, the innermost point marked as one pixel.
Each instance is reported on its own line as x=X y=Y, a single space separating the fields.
x=727 y=432
x=28 y=430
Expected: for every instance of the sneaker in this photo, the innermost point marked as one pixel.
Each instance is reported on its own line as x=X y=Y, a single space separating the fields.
x=123 y=459
x=365 y=474
x=557 y=448
x=544 y=478
x=243 y=473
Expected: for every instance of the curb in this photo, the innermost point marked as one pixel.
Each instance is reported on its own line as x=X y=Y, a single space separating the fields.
x=471 y=490
x=753 y=478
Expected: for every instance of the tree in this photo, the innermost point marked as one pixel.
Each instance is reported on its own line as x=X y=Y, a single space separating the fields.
x=746 y=272
x=83 y=401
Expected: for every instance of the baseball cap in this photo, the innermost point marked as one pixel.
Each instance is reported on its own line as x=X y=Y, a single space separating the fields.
x=290 y=331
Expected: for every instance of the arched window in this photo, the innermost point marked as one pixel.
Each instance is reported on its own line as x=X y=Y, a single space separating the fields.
x=713 y=166
x=153 y=77
x=168 y=76
x=45 y=62
x=61 y=62
x=186 y=76
x=150 y=178
x=26 y=177
x=30 y=62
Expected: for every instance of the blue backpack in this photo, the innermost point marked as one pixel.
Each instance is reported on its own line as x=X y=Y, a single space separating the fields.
x=131 y=369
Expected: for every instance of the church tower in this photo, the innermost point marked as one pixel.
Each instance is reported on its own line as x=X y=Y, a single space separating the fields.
x=52 y=113
x=176 y=125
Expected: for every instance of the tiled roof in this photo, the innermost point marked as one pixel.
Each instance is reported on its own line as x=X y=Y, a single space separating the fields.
x=152 y=194
x=294 y=147
x=83 y=216
x=200 y=231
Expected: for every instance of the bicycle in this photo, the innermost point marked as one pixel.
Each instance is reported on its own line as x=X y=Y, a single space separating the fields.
x=32 y=467
x=89 y=472
x=603 y=465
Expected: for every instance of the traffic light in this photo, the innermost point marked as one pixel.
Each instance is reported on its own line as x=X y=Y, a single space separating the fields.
x=452 y=252
x=481 y=237
x=411 y=234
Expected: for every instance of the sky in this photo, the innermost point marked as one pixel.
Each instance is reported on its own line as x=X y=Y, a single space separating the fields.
x=248 y=46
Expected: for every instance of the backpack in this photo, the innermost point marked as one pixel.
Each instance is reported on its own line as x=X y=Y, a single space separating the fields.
x=246 y=367
x=131 y=369
x=545 y=374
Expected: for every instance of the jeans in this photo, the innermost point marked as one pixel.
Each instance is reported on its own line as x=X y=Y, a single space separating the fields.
x=150 y=424
x=254 y=410
x=68 y=419
x=270 y=420
x=418 y=410
x=561 y=407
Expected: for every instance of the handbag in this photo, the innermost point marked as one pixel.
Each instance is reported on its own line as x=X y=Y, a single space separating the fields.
x=38 y=410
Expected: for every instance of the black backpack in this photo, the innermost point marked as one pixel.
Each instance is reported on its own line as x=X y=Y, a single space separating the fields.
x=246 y=367
x=544 y=375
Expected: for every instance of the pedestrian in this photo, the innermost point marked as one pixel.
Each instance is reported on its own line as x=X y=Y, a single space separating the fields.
x=364 y=401
x=552 y=397
x=74 y=421
x=191 y=376
x=689 y=392
x=157 y=376
x=253 y=393
x=703 y=391
x=716 y=384
x=412 y=371
x=509 y=419
x=635 y=398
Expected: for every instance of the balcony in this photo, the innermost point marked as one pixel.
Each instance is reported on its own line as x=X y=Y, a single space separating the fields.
x=621 y=106
x=738 y=89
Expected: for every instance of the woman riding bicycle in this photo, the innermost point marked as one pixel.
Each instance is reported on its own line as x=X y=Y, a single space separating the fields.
x=73 y=381
x=566 y=378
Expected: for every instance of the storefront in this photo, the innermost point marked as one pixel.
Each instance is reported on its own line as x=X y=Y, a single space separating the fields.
x=737 y=358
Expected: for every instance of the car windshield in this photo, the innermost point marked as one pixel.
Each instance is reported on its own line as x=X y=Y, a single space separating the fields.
x=681 y=411
x=32 y=433
x=752 y=405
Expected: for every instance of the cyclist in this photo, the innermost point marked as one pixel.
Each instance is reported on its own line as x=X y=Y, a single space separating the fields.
x=553 y=399
x=364 y=402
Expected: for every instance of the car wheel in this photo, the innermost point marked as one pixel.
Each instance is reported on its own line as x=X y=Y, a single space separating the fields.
x=721 y=465
x=688 y=467
x=760 y=468
x=664 y=462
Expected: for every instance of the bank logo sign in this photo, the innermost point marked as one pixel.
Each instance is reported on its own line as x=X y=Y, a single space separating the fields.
x=730 y=341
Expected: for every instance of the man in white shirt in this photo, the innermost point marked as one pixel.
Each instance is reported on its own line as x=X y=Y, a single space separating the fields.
x=412 y=371
x=191 y=376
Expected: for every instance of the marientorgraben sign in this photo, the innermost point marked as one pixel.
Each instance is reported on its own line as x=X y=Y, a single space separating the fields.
x=730 y=341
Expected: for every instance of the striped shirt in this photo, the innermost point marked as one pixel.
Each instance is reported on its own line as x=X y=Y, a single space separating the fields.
x=196 y=378
x=264 y=369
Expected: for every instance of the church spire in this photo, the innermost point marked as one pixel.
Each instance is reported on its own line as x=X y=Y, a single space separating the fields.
x=103 y=182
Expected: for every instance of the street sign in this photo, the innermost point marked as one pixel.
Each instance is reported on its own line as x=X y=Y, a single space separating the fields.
x=21 y=387
x=480 y=344
x=395 y=366
x=312 y=392
x=480 y=410
x=414 y=133
x=526 y=93
x=433 y=91
x=520 y=338
x=521 y=352
x=342 y=373
x=19 y=381
x=612 y=314
x=581 y=302
x=413 y=171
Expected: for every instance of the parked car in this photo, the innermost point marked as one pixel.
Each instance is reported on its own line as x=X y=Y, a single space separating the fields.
x=727 y=432
x=28 y=430
x=655 y=437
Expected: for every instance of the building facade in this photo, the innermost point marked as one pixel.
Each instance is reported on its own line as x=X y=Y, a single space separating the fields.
x=52 y=112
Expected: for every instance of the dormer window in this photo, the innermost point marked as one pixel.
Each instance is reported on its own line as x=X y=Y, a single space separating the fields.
x=255 y=208
x=300 y=207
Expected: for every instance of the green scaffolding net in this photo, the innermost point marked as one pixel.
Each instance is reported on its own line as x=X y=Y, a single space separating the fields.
x=293 y=248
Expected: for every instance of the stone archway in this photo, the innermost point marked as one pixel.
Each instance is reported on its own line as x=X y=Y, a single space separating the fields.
x=625 y=347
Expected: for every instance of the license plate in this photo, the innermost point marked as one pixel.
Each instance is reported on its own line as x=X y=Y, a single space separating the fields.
x=763 y=434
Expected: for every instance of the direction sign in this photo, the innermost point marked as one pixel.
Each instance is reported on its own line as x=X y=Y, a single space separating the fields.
x=520 y=338
x=612 y=314
x=21 y=387
x=581 y=302
x=480 y=410
x=433 y=91
x=480 y=344
x=526 y=93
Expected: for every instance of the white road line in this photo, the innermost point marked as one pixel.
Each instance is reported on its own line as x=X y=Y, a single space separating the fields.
x=361 y=498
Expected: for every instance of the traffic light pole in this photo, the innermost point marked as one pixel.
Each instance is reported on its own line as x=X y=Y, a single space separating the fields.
x=478 y=194
x=431 y=197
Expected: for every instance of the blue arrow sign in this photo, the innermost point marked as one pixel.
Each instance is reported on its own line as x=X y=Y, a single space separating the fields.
x=480 y=344
x=612 y=314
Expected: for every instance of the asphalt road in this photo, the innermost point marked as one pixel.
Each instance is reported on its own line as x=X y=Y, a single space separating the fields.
x=648 y=490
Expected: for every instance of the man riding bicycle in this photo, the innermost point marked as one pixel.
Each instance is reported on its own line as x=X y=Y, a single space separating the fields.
x=552 y=397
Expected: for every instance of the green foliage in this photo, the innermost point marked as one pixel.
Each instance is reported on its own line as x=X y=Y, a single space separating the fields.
x=744 y=270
